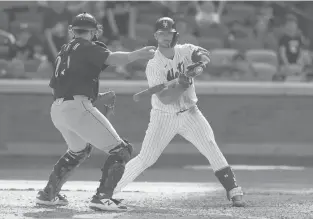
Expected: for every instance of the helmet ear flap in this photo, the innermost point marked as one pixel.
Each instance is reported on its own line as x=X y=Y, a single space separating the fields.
x=175 y=39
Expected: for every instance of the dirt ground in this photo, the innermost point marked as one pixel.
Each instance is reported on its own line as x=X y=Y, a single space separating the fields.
x=160 y=200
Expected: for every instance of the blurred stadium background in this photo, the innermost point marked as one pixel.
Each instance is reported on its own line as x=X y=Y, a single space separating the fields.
x=249 y=41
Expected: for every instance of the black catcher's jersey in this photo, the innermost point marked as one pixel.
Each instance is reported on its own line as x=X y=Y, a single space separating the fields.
x=77 y=69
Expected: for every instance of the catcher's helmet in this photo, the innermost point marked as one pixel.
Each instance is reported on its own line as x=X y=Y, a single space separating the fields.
x=167 y=24
x=86 y=21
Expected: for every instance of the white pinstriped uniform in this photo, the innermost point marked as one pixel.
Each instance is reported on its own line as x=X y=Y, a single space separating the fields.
x=165 y=122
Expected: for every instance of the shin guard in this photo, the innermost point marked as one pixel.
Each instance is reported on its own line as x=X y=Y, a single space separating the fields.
x=113 y=169
x=64 y=168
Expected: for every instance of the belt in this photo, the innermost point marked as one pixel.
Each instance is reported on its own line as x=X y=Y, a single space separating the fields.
x=71 y=98
x=182 y=111
x=68 y=98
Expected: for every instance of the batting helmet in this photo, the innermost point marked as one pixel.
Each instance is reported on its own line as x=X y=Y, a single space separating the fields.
x=86 y=21
x=167 y=24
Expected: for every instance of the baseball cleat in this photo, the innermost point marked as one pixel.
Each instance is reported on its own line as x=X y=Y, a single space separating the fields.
x=42 y=198
x=106 y=204
x=236 y=196
x=238 y=201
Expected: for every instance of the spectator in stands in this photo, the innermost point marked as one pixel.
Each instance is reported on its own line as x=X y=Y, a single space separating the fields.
x=176 y=8
x=209 y=12
x=265 y=14
x=114 y=44
x=98 y=10
x=77 y=7
x=7 y=44
x=236 y=31
x=26 y=43
x=120 y=20
x=55 y=21
x=11 y=66
x=241 y=69
x=185 y=32
x=170 y=8
x=290 y=48
x=30 y=48
x=262 y=30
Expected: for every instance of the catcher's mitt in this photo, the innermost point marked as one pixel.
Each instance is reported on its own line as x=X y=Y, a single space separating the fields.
x=105 y=103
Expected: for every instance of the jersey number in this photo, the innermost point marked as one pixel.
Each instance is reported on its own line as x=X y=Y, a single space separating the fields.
x=61 y=66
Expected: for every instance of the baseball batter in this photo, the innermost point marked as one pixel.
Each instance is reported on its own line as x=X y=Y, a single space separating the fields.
x=174 y=111
x=75 y=85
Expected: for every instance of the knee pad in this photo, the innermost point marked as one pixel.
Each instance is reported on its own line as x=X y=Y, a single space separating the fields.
x=114 y=167
x=72 y=159
x=64 y=168
x=123 y=151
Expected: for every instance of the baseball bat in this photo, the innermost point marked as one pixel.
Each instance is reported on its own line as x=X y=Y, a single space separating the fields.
x=153 y=90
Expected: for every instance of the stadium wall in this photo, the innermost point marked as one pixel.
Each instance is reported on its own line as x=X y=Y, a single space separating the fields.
x=257 y=115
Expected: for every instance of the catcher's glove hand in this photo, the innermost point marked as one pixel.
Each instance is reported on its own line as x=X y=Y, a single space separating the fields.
x=105 y=103
x=195 y=69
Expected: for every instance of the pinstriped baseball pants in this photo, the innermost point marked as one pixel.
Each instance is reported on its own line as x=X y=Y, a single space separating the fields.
x=191 y=125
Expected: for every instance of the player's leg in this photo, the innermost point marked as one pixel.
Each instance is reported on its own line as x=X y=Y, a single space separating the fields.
x=198 y=131
x=161 y=130
x=92 y=126
x=112 y=172
x=78 y=151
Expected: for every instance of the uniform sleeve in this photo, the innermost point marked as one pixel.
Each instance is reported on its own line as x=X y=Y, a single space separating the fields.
x=97 y=55
x=195 y=52
x=155 y=76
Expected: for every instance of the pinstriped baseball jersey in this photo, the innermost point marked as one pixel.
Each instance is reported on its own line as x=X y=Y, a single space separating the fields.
x=161 y=69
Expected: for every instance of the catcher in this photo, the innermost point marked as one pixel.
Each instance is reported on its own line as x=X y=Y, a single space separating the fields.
x=175 y=111
x=75 y=85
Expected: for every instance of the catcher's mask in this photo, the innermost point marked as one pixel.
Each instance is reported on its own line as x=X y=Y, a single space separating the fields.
x=167 y=24
x=87 y=22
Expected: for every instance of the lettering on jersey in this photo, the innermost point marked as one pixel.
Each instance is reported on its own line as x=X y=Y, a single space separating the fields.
x=171 y=75
x=63 y=59
x=181 y=68
x=57 y=65
x=75 y=47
